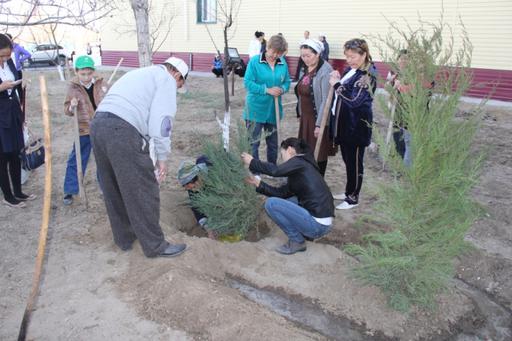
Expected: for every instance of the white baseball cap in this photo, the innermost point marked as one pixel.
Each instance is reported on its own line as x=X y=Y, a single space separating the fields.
x=179 y=64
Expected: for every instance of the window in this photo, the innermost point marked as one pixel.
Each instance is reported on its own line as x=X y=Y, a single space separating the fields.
x=207 y=11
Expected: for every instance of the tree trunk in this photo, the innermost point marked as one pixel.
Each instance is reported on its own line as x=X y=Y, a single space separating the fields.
x=227 y=113
x=226 y=80
x=141 y=12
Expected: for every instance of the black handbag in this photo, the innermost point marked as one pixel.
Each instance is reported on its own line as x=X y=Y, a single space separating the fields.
x=32 y=156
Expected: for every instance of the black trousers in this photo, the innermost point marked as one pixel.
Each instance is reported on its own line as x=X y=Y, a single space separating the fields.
x=130 y=188
x=10 y=166
x=353 y=158
x=398 y=137
x=218 y=72
x=322 y=165
x=300 y=67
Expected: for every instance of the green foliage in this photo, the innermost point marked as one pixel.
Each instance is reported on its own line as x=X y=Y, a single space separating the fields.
x=232 y=206
x=428 y=205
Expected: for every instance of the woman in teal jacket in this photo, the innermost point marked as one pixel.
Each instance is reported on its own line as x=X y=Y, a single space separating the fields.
x=266 y=77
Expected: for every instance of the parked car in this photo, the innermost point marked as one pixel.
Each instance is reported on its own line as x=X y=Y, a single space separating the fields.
x=49 y=53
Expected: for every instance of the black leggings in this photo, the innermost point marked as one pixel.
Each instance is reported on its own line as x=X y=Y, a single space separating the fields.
x=353 y=158
x=10 y=165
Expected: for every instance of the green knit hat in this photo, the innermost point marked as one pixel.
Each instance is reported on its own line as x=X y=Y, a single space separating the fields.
x=84 y=62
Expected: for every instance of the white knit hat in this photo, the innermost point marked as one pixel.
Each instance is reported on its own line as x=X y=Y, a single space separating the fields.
x=314 y=44
x=179 y=64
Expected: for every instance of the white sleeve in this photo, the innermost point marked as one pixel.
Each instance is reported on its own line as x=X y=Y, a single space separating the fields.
x=161 y=116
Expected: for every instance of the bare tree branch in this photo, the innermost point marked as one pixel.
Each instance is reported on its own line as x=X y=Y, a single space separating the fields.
x=62 y=12
x=160 y=24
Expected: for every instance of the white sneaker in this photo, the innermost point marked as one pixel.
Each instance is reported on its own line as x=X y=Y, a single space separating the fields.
x=341 y=196
x=345 y=206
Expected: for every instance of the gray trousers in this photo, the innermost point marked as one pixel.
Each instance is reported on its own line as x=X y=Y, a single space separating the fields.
x=130 y=189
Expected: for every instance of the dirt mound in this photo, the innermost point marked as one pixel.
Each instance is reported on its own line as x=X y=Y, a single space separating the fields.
x=190 y=293
x=93 y=291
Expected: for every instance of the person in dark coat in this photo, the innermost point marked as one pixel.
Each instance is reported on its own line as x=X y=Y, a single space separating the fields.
x=351 y=126
x=217 y=67
x=303 y=207
x=189 y=176
x=325 y=52
x=11 y=128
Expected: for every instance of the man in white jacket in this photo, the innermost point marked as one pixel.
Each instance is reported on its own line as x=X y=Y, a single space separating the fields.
x=138 y=108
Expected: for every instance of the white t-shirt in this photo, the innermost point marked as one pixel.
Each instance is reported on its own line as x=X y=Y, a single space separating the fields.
x=254 y=48
x=7 y=75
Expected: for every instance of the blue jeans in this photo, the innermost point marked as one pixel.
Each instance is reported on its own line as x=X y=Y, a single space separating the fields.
x=255 y=129
x=407 y=153
x=71 y=179
x=295 y=221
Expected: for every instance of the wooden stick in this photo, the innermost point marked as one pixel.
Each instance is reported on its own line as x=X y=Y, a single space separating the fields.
x=390 y=125
x=323 y=123
x=45 y=214
x=389 y=132
x=278 y=120
x=115 y=70
x=78 y=156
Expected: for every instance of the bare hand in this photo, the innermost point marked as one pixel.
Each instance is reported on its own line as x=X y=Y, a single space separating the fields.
x=5 y=85
x=73 y=104
x=334 y=77
x=246 y=158
x=161 y=170
x=316 y=132
x=252 y=180
x=275 y=91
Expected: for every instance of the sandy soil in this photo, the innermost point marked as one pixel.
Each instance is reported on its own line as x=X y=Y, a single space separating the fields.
x=93 y=291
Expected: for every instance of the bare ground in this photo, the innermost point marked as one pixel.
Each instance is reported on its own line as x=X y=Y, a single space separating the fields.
x=93 y=291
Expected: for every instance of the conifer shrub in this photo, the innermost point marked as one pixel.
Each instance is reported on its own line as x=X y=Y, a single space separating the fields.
x=428 y=205
x=231 y=205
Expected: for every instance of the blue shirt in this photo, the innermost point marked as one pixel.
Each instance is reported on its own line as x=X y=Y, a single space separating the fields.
x=217 y=63
x=20 y=55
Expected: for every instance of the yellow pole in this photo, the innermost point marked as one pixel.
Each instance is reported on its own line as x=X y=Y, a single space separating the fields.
x=46 y=212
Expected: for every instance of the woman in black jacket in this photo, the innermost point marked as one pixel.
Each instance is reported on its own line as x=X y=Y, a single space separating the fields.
x=352 y=123
x=308 y=213
x=11 y=128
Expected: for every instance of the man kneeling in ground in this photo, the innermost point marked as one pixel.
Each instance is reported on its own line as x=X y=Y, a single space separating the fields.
x=303 y=207
x=189 y=178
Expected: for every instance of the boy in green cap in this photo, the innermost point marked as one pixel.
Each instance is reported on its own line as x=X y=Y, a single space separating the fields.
x=85 y=92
